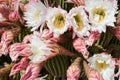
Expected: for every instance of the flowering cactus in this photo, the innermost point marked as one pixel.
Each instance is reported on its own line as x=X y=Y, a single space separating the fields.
x=35 y=33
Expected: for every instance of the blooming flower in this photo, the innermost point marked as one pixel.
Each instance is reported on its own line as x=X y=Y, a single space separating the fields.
x=35 y=14
x=73 y=71
x=57 y=20
x=79 y=21
x=103 y=63
x=41 y=49
x=101 y=14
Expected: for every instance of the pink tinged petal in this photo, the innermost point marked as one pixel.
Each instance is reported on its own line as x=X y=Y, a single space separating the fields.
x=32 y=71
x=7 y=37
x=4 y=49
x=47 y=34
x=14 y=16
x=27 y=38
x=92 y=38
x=19 y=49
x=76 y=2
x=73 y=71
x=19 y=66
x=46 y=3
x=80 y=46
x=91 y=73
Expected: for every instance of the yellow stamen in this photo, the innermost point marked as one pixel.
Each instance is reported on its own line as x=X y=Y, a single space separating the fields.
x=59 y=21
x=36 y=14
x=101 y=65
x=78 y=22
x=99 y=13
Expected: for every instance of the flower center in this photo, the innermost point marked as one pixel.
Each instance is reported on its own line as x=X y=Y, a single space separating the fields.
x=79 y=22
x=101 y=65
x=36 y=14
x=36 y=50
x=59 y=21
x=98 y=15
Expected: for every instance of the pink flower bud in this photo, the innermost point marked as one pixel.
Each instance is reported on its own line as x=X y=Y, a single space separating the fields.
x=91 y=73
x=92 y=38
x=80 y=46
x=6 y=39
x=19 y=49
x=14 y=16
x=19 y=66
x=4 y=49
x=73 y=71
x=32 y=71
